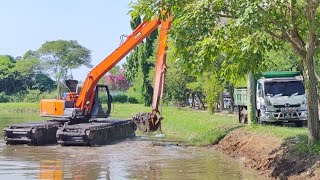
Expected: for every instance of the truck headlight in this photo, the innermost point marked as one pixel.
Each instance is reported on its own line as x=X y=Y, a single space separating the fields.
x=304 y=114
x=265 y=108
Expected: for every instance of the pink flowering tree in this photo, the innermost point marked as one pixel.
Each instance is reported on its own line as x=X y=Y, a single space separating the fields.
x=117 y=81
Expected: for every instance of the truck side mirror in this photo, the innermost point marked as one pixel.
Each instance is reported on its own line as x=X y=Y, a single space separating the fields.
x=260 y=93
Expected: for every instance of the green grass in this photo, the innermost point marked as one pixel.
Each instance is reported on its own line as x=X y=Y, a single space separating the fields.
x=196 y=128
x=277 y=131
x=125 y=110
x=303 y=148
x=19 y=107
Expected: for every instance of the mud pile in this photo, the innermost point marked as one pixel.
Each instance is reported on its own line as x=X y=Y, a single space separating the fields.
x=271 y=156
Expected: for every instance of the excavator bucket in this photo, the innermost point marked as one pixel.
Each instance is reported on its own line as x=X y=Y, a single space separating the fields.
x=147 y=122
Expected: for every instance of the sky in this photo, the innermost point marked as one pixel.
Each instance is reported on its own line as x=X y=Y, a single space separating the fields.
x=96 y=25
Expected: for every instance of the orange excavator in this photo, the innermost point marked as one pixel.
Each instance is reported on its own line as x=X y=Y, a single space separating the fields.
x=78 y=118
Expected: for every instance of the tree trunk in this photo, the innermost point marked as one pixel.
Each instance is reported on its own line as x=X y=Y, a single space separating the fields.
x=200 y=100
x=58 y=87
x=310 y=77
x=251 y=101
x=231 y=92
x=193 y=102
x=312 y=103
x=221 y=102
x=186 y=98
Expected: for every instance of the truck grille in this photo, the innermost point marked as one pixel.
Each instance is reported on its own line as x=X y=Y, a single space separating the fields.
x=287 y=115
x=289 y=105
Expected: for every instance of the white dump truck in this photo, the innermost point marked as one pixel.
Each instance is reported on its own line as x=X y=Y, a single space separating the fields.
x=280 y=98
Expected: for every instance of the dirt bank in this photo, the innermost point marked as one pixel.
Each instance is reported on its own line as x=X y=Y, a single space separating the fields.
x=271 y=156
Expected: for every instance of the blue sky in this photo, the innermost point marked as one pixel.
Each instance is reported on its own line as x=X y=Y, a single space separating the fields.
x=96 y=24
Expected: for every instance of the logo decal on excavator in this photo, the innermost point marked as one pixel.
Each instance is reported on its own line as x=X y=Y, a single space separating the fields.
x=138 y=35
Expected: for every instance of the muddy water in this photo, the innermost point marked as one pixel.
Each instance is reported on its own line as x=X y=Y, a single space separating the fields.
x=137 y=158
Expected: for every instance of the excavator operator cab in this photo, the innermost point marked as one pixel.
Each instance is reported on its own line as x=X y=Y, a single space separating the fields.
x=102 y=96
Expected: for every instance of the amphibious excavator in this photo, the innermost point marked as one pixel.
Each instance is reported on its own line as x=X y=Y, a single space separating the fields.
x=78 y=118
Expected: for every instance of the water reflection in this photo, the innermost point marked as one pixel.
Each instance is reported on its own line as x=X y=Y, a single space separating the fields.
x=50 y=170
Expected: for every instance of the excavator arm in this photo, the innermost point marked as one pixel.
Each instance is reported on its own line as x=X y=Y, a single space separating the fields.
x=160 y=74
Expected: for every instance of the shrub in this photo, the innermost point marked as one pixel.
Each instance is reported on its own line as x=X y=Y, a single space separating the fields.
x=49 y=95
x=120 y=97
x=133 y=100
x=32 y=96
x=103 y=98
x=134 y=96
x=4 y=97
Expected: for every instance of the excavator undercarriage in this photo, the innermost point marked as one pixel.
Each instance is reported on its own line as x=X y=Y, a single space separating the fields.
x=99 y=132
x=35 y=133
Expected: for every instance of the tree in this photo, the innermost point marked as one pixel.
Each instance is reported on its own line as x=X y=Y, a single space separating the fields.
x=17 y=75
x=132 y=62
x=26 y=69
x=7 y=64
x=244 y=31
x=175 y=84
x=60 y=56
x=115 y=70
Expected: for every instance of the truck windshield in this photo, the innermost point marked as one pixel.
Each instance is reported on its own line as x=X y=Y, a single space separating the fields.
x=284 y=88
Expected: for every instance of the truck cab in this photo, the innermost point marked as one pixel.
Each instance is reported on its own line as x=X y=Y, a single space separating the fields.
x=280 y=98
